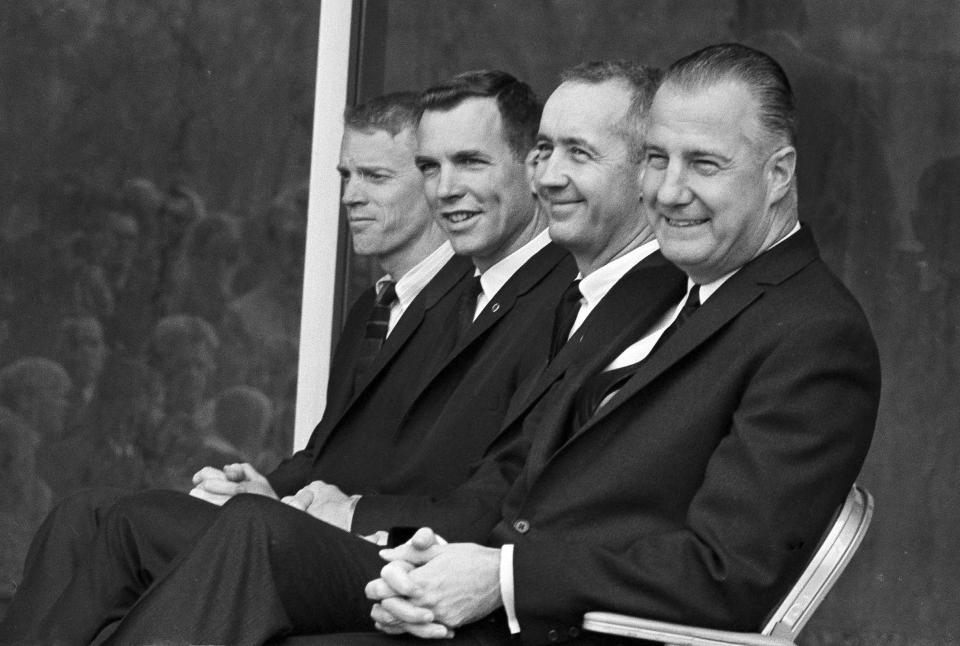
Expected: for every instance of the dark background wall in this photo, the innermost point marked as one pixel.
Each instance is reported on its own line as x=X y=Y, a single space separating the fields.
x=879 y=174
x=153 y=164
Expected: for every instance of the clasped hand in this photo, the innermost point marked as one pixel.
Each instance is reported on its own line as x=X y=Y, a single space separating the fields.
x=429 y=587
x=324 y=501
x=216 y=486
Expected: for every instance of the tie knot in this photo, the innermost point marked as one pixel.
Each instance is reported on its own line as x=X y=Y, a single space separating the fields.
x=475 y=288
x=572 y=293
x=690 y=306
x=693 y=298
x=387 y=293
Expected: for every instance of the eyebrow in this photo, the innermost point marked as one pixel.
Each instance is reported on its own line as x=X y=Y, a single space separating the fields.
x=464 y=155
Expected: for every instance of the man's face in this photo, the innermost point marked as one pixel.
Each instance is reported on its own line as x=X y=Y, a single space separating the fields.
x=474 y=182
x=382 y=191
x=587 y=174
x=708 y=179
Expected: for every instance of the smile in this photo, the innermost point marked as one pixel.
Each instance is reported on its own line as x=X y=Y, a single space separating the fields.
x=457 y=217
x=684 y=223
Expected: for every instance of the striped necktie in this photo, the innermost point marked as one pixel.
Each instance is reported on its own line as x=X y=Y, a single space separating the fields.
x=378 y=323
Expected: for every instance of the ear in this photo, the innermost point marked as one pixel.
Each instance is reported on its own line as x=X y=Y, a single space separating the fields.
x=781 y=168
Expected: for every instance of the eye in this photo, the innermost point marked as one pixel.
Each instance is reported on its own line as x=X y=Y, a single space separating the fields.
x=579 y=154
x=706 y=167
x=544 y=150
x=376 y=178
x=656 y=160
x=474 y=162
x=428 y=168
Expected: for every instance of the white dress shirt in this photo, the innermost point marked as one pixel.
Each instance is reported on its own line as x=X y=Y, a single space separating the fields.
x=413 y=282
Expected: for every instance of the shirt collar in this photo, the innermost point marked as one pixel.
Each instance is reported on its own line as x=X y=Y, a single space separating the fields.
x=497 y=276
x=708 y=289
x=413 y=282
x=597 y=283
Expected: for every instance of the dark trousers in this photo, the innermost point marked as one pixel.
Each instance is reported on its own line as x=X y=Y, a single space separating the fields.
x=160 y=567
x=61 y=543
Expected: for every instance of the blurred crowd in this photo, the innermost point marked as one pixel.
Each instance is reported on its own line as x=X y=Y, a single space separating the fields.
x=142 y=337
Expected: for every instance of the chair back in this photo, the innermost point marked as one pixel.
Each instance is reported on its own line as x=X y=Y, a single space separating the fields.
x=830 y=559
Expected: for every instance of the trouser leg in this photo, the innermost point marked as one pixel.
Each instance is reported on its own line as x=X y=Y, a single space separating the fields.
x=61 y=543
x=138 y=538
x=260 y=571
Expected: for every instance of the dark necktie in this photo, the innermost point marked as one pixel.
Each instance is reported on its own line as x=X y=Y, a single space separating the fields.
x=376 y=330
x=601 y=385
x=689 y=307
x=467 y=306
x=564 y=317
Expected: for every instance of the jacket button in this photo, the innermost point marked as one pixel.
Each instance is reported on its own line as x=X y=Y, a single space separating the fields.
x=553 y=635
x=522 y=526
x=573 y=631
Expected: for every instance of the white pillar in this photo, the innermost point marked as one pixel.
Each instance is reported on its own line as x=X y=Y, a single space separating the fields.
x=323 y=219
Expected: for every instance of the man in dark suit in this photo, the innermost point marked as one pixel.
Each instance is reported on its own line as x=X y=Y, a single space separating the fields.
x=690 y=484
x=391 y=221
x=689 y=481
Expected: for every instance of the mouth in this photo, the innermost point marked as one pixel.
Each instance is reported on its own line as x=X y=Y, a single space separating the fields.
x=456 y=217
x=683 y=224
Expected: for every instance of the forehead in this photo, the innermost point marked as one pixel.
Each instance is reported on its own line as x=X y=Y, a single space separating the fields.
x=584 y=110
x=377 y=148
x=723 y=114
x=475 y=124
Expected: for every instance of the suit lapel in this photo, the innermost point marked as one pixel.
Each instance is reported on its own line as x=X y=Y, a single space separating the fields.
x=742 y=289
x=618 y=320
x=445 y=280
x=528 y=276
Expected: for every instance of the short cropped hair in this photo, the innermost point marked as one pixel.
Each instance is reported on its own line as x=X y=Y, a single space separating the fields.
x=392 y=113
x=519 y=106
x=642 y=80
x=763 y=76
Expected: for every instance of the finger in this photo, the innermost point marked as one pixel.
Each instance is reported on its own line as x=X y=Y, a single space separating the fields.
x=381 y=616
x=404 y=610
x=202 y=494
x=408 y=552
x=249 y=473
x=301 y=500
x=388 y=629
x=219 y=487
x=429 y=631
x=396 y=575
x=207 y=473
x=423 y=539
x=378 y=589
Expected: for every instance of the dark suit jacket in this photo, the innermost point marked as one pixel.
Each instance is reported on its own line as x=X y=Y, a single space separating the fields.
x=381 y=399
x=443 y=398
x=700 y=490
x=631 y=306
x=459 y=403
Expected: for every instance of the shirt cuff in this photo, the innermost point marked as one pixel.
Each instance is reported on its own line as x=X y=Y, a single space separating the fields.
x=351 y=508
x=506 y=587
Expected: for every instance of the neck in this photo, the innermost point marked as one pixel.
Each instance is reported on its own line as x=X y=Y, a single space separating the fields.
x=401 y=262
x=533 y=227
x=588 y=264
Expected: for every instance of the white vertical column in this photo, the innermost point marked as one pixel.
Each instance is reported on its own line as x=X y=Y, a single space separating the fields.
x=323 y=219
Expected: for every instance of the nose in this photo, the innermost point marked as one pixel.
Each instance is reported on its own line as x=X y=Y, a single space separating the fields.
x=550 y=173
x=673 y=189
x=448 y=183
x=352 y=193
